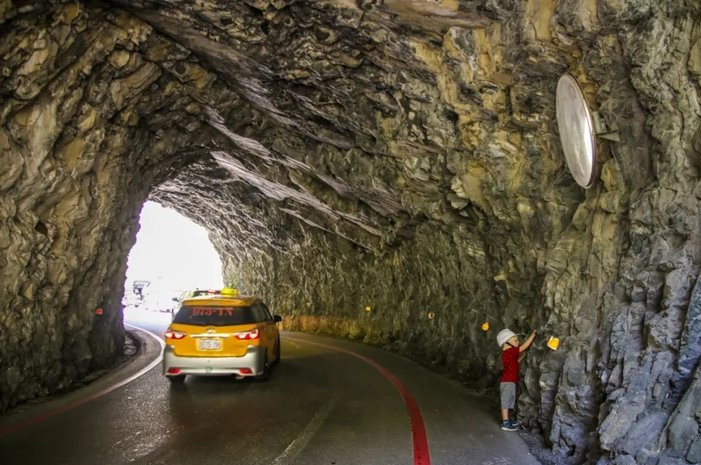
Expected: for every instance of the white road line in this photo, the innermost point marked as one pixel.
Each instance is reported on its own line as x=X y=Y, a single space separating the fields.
x=298 y=445
x=141 y=372
x=158 y=338
x=83 y=400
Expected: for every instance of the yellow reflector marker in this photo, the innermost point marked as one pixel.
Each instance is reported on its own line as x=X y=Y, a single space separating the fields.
x=485 y=326
x=431 y=315
x=368 y=308
x=553 y=342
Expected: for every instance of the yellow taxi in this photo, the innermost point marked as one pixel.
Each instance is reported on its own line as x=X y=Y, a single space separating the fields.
x=221 y=333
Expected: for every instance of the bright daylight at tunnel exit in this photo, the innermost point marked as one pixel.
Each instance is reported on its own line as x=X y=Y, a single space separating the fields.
x=358 y=232
x=171 y=257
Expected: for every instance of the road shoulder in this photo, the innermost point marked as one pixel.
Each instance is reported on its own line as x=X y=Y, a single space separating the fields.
x=147 y=356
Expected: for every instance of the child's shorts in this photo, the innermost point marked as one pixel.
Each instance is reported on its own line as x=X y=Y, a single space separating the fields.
x=508 y=395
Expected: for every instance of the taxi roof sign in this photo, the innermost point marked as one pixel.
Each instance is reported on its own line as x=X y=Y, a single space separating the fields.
x=229 y=291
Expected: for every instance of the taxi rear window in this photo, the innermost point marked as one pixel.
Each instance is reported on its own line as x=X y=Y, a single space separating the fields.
x=214 y=316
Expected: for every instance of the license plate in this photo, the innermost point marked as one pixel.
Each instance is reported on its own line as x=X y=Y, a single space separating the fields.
x=209 y=344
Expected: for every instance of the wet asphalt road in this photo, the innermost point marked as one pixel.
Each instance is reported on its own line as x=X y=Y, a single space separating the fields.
x=321 y=406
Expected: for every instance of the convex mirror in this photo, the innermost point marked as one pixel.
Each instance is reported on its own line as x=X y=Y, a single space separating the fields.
x=574 y=122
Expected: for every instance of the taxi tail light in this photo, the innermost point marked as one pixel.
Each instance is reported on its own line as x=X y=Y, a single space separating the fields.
x=173 y=371
x=170 y=334
x=248 y=335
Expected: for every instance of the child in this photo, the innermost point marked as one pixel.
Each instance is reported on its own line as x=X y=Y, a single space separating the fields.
x=511 y=354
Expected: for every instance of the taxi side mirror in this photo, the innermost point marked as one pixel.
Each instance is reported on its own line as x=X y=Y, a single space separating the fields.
x=277 y=318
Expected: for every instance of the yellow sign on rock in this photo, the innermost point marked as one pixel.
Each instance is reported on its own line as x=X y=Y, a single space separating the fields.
x=553 y=342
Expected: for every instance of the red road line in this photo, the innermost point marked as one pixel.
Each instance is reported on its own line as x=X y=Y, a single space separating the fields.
x=57 y=411
x=422 y=454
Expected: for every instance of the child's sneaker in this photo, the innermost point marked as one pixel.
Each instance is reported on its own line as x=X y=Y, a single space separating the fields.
x=507 y=426
x=515 y=423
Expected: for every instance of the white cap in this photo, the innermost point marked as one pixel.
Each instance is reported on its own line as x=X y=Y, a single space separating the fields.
x=504 y=335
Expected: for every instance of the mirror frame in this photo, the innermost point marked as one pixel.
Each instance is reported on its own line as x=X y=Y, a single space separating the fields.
x=576 y=128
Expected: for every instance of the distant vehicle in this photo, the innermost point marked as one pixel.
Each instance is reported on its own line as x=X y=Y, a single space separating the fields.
x=138 y=288
x=131 y=300
x=221 y=334
x=231 y=292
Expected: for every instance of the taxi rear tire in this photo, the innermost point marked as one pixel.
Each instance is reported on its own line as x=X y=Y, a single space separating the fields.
x=277 y=351
x=265 y=375
x=176 y=379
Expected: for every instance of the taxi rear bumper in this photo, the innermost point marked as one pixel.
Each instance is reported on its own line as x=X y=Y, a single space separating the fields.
x=250 y=364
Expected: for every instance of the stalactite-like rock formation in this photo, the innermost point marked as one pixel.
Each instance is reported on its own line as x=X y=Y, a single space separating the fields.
x=399 y=155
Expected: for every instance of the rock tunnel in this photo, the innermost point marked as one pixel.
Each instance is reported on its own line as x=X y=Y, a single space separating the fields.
x=388 y=171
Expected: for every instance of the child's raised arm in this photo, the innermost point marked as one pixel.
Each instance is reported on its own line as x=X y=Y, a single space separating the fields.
x=523 y=347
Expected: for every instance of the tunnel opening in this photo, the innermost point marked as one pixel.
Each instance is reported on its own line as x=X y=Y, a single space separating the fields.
x=172 y=255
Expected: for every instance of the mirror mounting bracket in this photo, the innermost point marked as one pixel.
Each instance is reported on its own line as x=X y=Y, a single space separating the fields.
x=602 y=130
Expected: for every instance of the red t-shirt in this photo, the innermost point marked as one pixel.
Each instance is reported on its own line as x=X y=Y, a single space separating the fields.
x=509 y=360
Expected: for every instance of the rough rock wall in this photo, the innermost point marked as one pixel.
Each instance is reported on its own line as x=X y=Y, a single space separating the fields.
x=78 y=161
x=401 y=155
